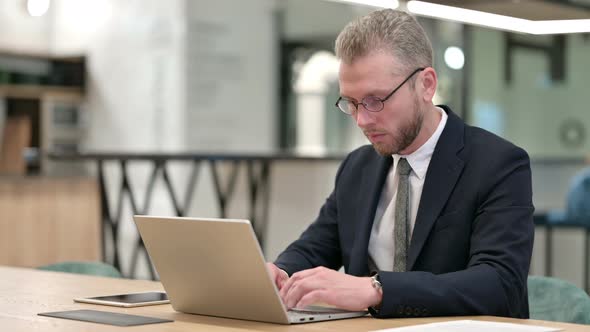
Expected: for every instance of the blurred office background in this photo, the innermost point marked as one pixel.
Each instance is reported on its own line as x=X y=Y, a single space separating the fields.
x=225 y=108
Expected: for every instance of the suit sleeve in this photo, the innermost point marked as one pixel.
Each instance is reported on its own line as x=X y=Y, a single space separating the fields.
x=319 y=244
x=494 y=281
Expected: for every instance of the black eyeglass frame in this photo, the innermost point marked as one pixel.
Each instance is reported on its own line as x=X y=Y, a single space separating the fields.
x=382 y=100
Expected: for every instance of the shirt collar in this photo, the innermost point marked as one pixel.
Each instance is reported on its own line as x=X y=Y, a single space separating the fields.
x=420 y=159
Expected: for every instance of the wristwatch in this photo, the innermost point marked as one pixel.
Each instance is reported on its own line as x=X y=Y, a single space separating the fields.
x=375 y=282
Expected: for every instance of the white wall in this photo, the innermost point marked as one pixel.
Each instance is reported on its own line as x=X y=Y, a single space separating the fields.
x=21 y=32
x=231 y=66
x=135 y=75
x=313 y=19
x=298 y=191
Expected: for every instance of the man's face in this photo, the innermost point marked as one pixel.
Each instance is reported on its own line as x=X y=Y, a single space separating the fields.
x=396 y=126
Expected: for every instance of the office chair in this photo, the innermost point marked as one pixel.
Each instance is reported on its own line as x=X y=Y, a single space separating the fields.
x=557 y=300
x=578 y=199
x=88 y=268
x=576 y=215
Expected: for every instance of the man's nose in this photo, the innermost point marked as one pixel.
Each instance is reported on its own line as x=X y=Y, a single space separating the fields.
x=363 y=117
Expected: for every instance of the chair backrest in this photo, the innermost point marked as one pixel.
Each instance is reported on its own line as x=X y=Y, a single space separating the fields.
x=557 y=300
x=578 y=198
x=89 y=268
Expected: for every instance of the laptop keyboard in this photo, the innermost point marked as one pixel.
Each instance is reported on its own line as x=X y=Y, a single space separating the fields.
x=311 y=310
x=312 y=313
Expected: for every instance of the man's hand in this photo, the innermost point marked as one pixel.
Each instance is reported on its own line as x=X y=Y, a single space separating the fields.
x=277 y=275
x=331 y=287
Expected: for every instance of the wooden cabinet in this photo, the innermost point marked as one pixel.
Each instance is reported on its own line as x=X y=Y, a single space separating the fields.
x=48 y=220
x=44 y=219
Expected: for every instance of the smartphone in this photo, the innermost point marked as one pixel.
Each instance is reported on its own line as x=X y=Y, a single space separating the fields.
x=128 y=300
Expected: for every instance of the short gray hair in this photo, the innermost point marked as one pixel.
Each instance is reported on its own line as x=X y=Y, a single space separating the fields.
x=387 y=30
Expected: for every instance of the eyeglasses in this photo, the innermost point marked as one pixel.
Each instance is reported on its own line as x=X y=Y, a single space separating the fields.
x=371 y=103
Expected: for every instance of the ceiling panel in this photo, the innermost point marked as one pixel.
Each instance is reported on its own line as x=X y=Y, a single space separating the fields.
x=527 y=9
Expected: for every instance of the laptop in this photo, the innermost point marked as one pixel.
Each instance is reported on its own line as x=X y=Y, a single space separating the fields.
x=215 y=267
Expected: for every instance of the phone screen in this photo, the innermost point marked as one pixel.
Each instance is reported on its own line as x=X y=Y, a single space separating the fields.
x=133 y=298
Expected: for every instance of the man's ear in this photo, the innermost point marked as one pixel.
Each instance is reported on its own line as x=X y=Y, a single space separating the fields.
x=427 y=84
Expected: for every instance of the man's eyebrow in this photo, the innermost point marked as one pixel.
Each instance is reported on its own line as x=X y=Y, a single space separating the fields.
x=347 y=97
x=374 y=93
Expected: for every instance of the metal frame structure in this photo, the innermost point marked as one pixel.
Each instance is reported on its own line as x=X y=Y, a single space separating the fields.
x=258 y=171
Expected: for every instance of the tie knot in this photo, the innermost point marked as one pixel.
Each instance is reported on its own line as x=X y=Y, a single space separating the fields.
x=403 y=167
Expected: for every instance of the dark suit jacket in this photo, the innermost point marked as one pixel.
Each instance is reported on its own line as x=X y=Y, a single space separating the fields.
x=472 y=241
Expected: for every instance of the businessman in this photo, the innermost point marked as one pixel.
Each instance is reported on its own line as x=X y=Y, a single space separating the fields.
x=435 y=218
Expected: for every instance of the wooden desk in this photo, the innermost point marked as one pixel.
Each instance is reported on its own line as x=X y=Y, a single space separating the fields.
x=25 y=292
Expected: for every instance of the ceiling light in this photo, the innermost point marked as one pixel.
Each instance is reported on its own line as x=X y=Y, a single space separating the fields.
x=374 y=3
x=454 y=57
x=37 y=8
x=496 y=21
x=561 y=26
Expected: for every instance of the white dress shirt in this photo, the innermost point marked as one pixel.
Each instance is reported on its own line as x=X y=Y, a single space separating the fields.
x=381 y=246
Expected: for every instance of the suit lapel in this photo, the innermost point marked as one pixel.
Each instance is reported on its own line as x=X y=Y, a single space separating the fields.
x=442 y=175
x=373 y=177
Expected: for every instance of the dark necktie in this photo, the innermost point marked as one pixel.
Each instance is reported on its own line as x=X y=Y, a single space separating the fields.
x=402 y=216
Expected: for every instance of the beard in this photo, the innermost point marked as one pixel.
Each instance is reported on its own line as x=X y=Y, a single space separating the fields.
x=406 y=135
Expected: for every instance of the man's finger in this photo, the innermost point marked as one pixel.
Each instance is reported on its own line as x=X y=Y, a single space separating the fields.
x=311 y=298
x=296 y=291
x=296 y=277
x=281 y=278
x=302 y=287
